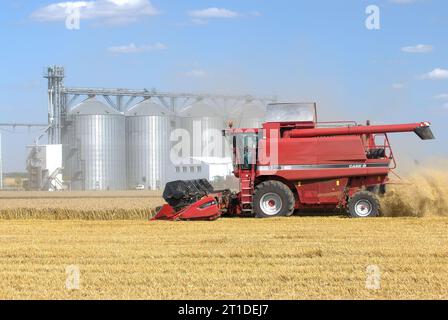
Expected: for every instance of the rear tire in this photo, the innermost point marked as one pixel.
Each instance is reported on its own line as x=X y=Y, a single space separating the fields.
x=364 y=204
x=273 y=199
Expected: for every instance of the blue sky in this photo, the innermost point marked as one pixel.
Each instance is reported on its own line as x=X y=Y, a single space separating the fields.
x=299 y=50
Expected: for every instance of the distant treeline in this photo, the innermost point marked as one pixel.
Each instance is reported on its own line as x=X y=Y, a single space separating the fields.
x=22 y=175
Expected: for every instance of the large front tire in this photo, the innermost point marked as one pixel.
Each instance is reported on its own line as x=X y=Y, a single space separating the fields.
x=273 y=199
x=364 y=204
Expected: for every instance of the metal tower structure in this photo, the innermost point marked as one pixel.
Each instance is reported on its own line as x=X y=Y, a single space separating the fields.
x=25 y=125
x=13 y=126
x=61 y=99
x=56 y=104
x=122 y=99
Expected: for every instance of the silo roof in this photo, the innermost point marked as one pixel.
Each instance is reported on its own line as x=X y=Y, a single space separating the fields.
x=200 y=110
x=251 y=110
x=149 y=108
x=92 y=106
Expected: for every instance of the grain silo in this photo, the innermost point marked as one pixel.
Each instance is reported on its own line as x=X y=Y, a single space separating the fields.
x=98 y=160
x=249 y=115
x=204 y=123
x=70 y=154
x=148 y=127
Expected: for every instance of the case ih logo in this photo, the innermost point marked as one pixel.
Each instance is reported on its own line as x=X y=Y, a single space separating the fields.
x=358 y=166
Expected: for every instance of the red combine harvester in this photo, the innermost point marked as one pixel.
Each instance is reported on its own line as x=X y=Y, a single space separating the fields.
x=296 y=163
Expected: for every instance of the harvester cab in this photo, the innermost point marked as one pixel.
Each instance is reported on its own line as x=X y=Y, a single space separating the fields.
x=294 y=163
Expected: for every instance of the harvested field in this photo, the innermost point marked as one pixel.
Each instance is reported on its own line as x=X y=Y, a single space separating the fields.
x=294 y=258
x=128 y=257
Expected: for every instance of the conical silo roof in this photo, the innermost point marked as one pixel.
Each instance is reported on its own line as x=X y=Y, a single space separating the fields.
x=248 y=115
x=92 y=106
x=148 y=108
x=200 y=110
x=250 y=110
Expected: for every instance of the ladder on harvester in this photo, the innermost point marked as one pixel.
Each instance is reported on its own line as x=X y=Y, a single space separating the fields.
x=247 y=190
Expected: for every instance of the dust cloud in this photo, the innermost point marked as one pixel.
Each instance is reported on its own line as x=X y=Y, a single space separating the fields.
x=422 y=192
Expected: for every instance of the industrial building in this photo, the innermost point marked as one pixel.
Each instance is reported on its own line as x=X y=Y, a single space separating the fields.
x=44 y=165
x=118 y=139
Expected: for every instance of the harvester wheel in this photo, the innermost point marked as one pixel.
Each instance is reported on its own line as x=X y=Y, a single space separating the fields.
x=364 y=204
x=273 y=199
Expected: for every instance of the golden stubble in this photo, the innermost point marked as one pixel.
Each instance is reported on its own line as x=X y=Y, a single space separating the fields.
x=290 y=258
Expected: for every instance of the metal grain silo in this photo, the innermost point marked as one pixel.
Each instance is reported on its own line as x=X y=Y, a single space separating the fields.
x=148 y=127
x=99 y=160
x=204 y=123
x=69 y=151
x=249 y=115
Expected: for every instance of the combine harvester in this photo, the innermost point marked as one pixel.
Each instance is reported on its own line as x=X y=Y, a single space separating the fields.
x=296 y=163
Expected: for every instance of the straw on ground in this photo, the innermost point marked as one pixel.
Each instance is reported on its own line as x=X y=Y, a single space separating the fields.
x=294 y=258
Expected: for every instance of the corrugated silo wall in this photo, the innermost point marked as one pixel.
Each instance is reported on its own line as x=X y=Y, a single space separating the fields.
x=210 y=130
x=69 y=152
x=111 y=152
x=148 y=151
x=100 y=144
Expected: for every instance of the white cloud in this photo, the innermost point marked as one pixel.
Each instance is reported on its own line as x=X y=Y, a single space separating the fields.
x=108 y=10
x=443 y=96
x=445 y=106
x=133 y=48
x=195 y=73
x=436 y=74
x=213 y=13
x=398 y=86
x=420 y=48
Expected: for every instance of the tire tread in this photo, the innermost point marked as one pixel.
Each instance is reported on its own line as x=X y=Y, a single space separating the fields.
x=275 y=186
x=364 y=195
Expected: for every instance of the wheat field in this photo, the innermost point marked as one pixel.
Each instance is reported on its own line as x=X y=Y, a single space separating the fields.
x=290 y=258
x=122 y=205
x=120 y=254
